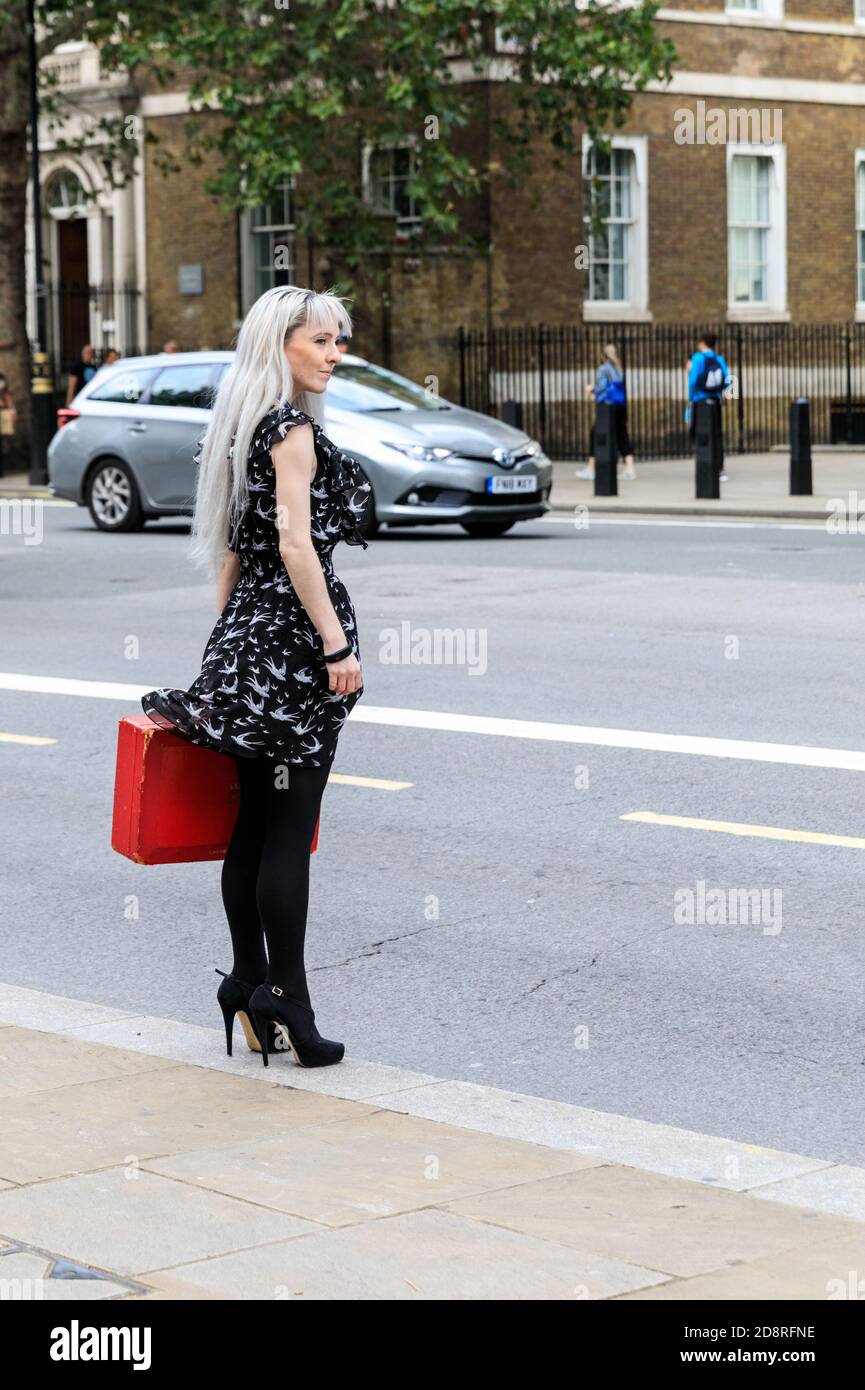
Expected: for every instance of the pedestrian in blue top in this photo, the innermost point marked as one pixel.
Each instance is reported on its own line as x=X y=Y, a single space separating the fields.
x=708 y=379
x=609 y=389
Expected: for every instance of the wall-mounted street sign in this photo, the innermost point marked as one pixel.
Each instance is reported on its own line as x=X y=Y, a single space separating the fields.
x=190 y=279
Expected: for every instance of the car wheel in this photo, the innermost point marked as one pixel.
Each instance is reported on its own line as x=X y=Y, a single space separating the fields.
x=487 y=528
x=113 y=498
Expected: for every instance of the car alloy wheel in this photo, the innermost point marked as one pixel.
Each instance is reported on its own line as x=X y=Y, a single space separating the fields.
x=113 y=498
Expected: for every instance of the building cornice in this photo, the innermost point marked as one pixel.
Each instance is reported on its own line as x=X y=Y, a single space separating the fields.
x=732 y=20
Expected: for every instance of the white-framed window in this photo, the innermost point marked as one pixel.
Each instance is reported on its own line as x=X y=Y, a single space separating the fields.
x=860 y=233
x=758 y=9
x=859 y=11
x=615 y=190
x=387 y=168
x=267 y=244
x=756 y=231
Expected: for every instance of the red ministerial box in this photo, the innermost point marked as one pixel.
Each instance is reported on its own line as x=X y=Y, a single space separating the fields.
x=174 y=801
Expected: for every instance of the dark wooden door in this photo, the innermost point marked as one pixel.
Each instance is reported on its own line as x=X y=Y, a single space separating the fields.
x=73 y=289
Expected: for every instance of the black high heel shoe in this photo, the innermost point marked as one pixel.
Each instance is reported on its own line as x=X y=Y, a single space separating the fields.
x=233 y=998
x=294 y=1021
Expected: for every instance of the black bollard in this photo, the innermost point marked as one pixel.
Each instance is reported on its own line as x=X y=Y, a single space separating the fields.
x=707 y=439
x=801 y=484
x=512 y=414
x=606 y=452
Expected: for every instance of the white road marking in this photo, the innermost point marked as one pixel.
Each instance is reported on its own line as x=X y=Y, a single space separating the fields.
x=791 y=754
x=704 y=522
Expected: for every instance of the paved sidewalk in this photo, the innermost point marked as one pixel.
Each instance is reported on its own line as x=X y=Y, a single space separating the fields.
x=138 y=1161
x=758 y=486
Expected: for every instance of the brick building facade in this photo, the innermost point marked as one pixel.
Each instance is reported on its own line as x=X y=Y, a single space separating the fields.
x=735 y=194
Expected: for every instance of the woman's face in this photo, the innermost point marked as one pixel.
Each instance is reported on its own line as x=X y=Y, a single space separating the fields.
x=312 y=354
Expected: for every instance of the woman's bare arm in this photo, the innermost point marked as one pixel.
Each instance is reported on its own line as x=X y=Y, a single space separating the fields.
x=295 y=463
x=227 y=578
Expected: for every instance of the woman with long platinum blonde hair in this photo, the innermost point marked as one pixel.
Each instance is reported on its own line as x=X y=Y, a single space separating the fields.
x=281 y=669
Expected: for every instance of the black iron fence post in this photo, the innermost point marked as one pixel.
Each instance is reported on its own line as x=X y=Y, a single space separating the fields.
x=547 y=367
x=849 y=386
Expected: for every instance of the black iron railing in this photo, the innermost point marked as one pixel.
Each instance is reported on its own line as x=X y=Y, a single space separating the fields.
x=544 y=368
x=104 y=315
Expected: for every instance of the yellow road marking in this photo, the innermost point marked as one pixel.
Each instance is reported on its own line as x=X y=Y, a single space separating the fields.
x=731 y=827
x=382 y=783
x=24 y=738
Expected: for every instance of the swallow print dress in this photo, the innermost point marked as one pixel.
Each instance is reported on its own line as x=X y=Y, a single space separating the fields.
x=263 y=687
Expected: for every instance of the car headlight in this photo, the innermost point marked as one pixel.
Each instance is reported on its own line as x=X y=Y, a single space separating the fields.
x=423 y=453
x=534 y=450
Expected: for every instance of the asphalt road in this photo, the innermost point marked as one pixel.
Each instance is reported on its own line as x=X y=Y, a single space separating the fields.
x=497 y=921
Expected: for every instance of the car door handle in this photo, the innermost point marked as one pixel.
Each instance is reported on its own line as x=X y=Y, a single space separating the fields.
x=138 y=428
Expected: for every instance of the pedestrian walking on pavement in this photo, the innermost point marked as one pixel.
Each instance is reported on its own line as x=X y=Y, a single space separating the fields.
x=82 y=369
x=708 y=379
x=281 y=669
x=609 y=389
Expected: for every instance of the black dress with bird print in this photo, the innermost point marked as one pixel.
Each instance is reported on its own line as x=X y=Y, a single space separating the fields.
x=263 y=687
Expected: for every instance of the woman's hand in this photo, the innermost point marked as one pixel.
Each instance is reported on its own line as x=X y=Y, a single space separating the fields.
x=589 y=390
x=344 y=676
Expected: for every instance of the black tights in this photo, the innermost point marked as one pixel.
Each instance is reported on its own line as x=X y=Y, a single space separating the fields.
x=265 y=873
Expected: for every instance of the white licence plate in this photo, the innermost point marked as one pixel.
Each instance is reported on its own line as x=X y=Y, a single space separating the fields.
x=520 y=483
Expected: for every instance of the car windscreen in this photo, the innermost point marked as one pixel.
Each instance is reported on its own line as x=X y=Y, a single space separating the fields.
x=125 y=387
x=190 y=384
x=361 y=386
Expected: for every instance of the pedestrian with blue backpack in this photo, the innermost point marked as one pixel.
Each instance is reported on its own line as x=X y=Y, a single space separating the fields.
x=609 y=389
x=708 y=380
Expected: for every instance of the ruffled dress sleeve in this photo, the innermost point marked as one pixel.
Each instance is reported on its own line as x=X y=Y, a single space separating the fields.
x=274 y=426
x=353 y=493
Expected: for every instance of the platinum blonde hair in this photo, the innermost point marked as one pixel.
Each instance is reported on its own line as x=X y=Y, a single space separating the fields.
x=258 y=379
x=612 y=355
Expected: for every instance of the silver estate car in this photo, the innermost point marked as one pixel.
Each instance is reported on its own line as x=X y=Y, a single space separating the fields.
x=125 y=444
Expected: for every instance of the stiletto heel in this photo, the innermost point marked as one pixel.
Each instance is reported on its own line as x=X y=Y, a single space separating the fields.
x=233 y=998
x=270 y=1006
x=261 y=1029
x=228 y=1015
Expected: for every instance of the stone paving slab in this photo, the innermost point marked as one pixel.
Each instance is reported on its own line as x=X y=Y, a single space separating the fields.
x=31 y=1062
x=96 y=1124
x=832 y=1269
x=132 y=1221
x=398 y=1163
x=166 y=1179
x=428 y=1254
x=675 y=1227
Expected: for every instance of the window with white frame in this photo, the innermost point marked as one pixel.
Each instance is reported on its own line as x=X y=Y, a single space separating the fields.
x=756 y=234
x=859 y=11
x=386 y=174
x=860 y=226
x=614 y=218
x=762 y=9
x=267 y=244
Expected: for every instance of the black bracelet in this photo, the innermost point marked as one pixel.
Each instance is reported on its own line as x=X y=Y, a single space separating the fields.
x=338 y=656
